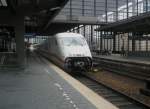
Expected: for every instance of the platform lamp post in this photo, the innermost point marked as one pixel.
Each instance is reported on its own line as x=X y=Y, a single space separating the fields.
x=146 y=5
x=114 y=42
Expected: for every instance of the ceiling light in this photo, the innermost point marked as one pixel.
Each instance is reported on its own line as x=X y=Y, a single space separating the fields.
x=55 y=8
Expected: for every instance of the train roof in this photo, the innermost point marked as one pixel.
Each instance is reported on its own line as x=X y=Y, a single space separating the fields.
x=65 y=34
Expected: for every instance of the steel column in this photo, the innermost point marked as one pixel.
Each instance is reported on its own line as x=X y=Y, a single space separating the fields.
x=116 y=10
x=127 y=9
x=118 y=42
x=137 y=7
x=84 y=30
x=140 y=47
x=128 y=42
x=107 y=40
x=133 y=42
x=94 y=8
x=70 y=9
x=101 y=41
x=91 y=35
x=83 y=7
x=146 y=42
x=106 y=6
x=146 y=5
x=114 y=42
x=78 y=29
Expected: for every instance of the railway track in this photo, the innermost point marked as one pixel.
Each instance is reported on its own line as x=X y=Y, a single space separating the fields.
x=119 y=100
x=116 y=98
x=137 y=71
x=134 y=70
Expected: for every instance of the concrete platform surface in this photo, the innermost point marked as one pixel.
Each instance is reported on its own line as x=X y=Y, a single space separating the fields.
x=40 y=87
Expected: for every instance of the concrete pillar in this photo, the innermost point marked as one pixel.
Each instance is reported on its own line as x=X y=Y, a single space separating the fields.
x=19 y=35
x=16 y=21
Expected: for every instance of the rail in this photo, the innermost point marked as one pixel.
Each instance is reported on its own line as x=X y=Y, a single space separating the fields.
x=116 y=98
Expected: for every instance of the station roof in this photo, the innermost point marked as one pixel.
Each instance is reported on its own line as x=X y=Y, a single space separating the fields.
x=140 y=23
x=38 y=13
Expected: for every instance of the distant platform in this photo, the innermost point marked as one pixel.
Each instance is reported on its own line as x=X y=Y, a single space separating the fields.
x=129 y=59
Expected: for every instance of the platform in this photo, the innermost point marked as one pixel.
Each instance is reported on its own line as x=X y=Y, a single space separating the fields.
x=39 y=86
x=130 y=59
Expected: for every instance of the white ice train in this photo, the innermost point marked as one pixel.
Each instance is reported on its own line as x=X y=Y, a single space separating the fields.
x=70 y=51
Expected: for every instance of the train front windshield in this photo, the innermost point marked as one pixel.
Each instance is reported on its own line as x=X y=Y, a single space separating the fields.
x=73 y=41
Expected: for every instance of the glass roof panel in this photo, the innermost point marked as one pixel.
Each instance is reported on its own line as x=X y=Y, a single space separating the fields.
x=3 y=3
x=114 y=9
